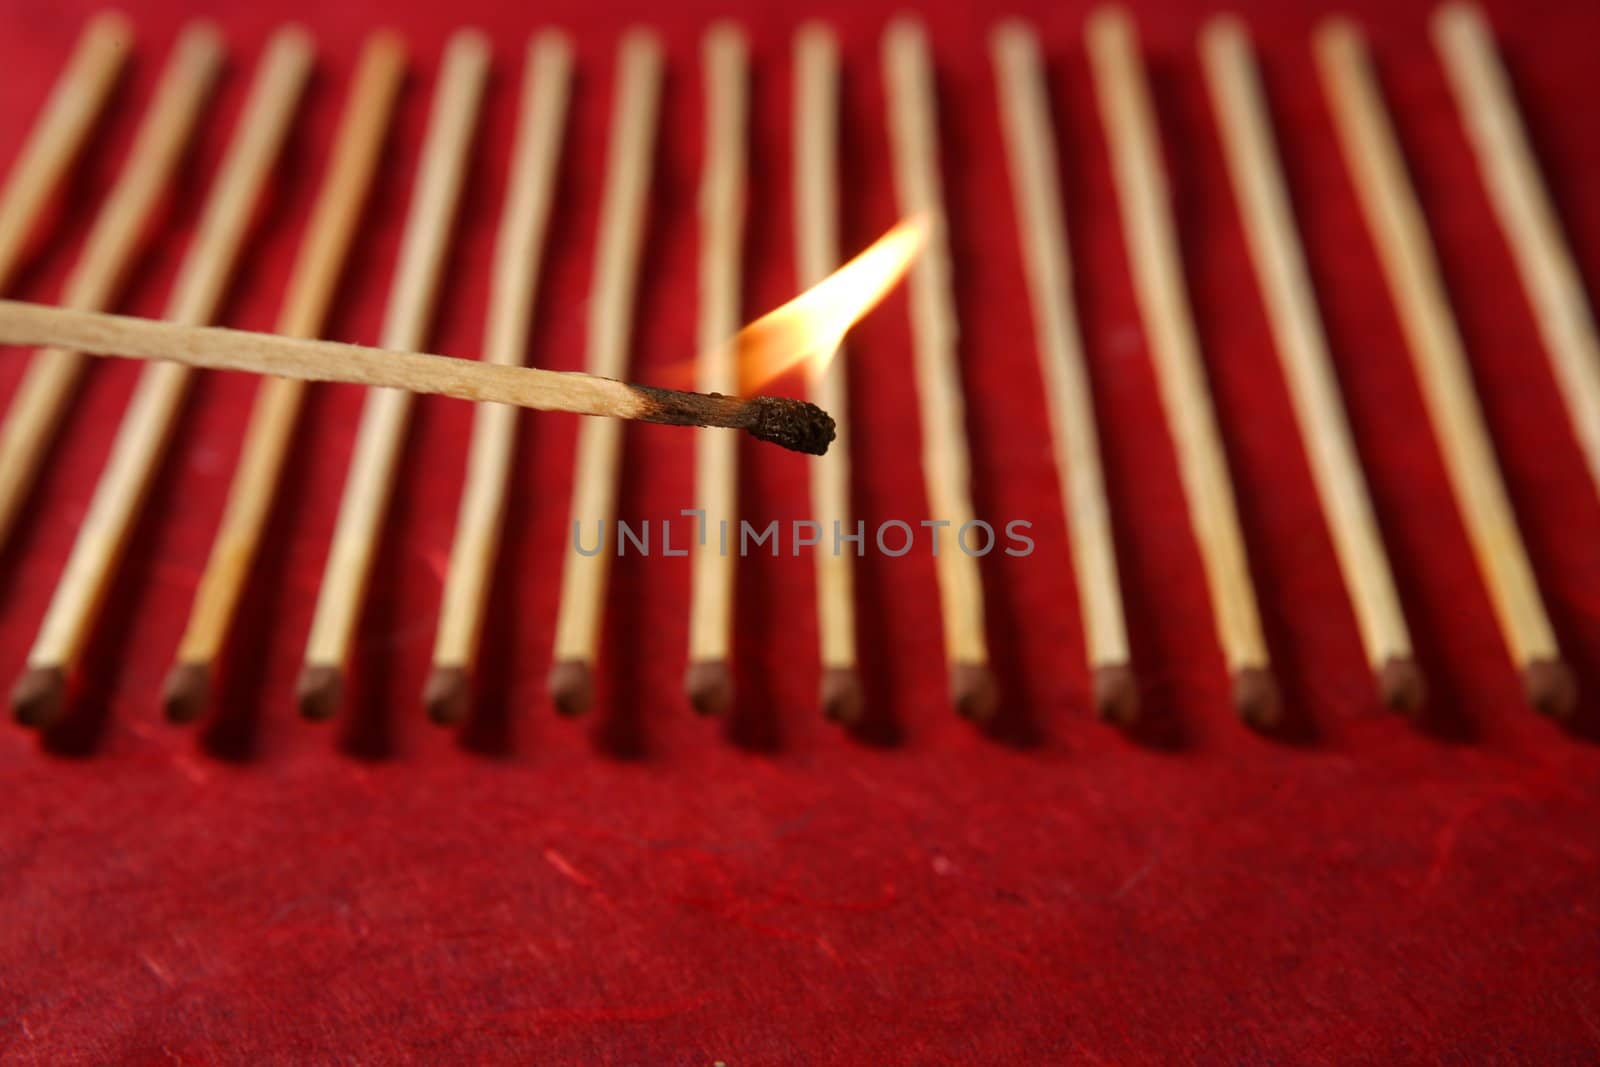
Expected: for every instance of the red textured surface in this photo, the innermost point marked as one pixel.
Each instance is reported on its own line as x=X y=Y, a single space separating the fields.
x=649 y=887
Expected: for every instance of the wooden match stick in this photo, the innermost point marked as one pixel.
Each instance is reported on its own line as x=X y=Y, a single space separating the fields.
x=709 y=678
x=792 y=424
x=1544 y=260
x=616 y=267
x=1129 y=119
x=376 y=455
x=118 y=232
x=816 y=240
x=357 y=145
x=59 y=133
x=147 y=425
x=1439 y=360
x=1259 y=186
x=519 y=244
x=946 y=464
x=1030 y=142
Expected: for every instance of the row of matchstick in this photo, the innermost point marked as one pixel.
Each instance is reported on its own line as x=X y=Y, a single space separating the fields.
x=1367 y=138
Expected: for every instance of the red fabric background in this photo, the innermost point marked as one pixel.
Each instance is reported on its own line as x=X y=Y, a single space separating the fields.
x=648 y=887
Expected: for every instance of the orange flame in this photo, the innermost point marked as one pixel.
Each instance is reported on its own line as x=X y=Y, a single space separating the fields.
x=809 y=329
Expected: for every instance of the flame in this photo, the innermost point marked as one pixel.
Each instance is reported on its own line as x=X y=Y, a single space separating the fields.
x=809 y=329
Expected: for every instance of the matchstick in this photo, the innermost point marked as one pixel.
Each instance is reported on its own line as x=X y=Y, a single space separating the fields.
x=329 y=234
x=792 y=424
x=59 y=133
x=913 y=126
x=518 y=246
x=1263 y=196
x=1372 y=152
x=117 y=234
x=147 y=425
x=1128 y=116
x=376 y=454
x=616 y=266
x=1030 y=144
x=709 y=678
x=816 y=239
x=1511 y=173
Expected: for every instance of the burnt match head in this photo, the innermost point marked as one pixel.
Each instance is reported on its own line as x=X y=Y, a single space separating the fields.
x=794 y=424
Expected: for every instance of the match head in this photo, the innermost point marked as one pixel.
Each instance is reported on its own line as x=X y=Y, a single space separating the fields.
x=1255 y=697
x=319 y=691
x=446 y=696
x=571 y=687
x=973 y=692
x=709 y=684
x=39 y=697
x=187 y=692
x=842 y=701
x=1116 y=694
x=795 y=424
x=1401 y=686
x=1551 y=687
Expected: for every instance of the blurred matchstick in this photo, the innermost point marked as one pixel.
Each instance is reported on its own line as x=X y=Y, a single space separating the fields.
x=1280 y=267
x=1030 y=143
x=1439 y=359
x=594 y=483
x=146 y=427
x=518 y=247
x=119 y=229
x=376 y=455
x=59 y=133
x=913 y=125
x=1511 y=173
x=709 y=677
x=312 y=283
x=816 y=238
x=1129 y=120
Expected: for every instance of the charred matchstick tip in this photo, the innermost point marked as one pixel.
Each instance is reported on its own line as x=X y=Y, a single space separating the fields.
x=318 y=692
x=1550 y=687
x=842 y=701
x=709 y=684
x=445 y=696
x=39 y=696
x=186 y=691
x=1255 y=697
x=797 y=425
x=973 y=692
x=571 y=686
x=1116 y=694
x=1400 y=685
